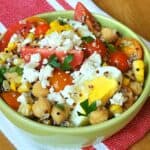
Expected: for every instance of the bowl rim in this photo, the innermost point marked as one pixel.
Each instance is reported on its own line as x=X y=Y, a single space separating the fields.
x=36 y=127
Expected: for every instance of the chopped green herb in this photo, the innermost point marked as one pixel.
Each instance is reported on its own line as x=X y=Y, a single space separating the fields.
x=16 y=69
x=87 y=39
x=2 y=71
x=53 y=61
x=110 y=47
x=66 y=64
x=88 y=108
x=62 y=21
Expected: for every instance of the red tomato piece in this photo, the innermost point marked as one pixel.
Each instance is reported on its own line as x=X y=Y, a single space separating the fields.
x=95 y=46
x=11 y=99
x=22 y=28
x=41 y=29
x=26 y=53
x=59 y=80
x=83 y=15
x=120 y=60
x=35 y=20
x=77 y=58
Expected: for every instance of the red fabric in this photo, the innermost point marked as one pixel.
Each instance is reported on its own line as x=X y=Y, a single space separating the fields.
x=133 y=132
x=15 y=10
x=64 y=4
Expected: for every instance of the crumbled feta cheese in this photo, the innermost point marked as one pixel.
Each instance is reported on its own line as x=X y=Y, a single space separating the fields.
x=45 y=61
x=66 y=93
x=29 y=74
x=88 y=69
x=24 y=98
x=118 y=99
x=81 y=29
x=111 y=72
x=63 y=41
x=44 y=73
x=14 y=38
x=35 y=58
x=55 y=97
x=32 y=30
x=26 y=41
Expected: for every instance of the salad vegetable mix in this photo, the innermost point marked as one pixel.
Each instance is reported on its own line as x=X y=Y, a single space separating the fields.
x=69 y=72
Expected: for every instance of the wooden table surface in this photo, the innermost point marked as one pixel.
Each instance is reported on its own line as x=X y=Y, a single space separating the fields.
x=136 y=15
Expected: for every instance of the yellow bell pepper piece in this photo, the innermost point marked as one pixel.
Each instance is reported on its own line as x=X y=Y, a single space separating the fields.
x=25 y=87
x=116 y=109
x=138 y=69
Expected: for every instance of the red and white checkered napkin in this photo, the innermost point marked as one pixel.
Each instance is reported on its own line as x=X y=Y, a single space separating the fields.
x=15 y=10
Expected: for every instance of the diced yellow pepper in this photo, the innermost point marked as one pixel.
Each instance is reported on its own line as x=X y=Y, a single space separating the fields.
x=25 y=87
x=11 y=46
x=30 y=36
x=4 y=56
x=138 y=69
x=56 y=27
x=116 y=109
x=13 y=85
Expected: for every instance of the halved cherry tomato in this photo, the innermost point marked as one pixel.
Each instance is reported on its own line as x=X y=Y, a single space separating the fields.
x=131 y=47
x=35 y=20
x=120 y=60
x=22 y=28
x=26 y=53
x=11 y=99
x=95 y=46
x=41 y=29
x=83 y=15
x=59 y=80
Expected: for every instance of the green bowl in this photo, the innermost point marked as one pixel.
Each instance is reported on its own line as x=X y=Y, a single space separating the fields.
x=81 y=136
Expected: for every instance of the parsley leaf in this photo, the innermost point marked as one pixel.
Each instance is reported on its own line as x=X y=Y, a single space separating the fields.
x=53 y=61
x=87 y=108
x=110 y=47
x=2 y=71
x=87 y=39
x=66 y=64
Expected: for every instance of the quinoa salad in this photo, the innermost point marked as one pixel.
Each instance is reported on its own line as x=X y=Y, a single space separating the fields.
x=69 y=72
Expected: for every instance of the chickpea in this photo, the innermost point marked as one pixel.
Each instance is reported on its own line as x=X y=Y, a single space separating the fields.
x=109 y=35
x=136 y=87
x=59 y=113
x=98 y=116
x=41 y=107
x=38 y=91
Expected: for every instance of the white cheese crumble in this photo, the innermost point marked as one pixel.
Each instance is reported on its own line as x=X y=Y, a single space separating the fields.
x=118 y=99
x=66 y=93
x=111 y=72
x=63 y=41
x=81 y=29
x=14 y=38
x=88 y=69
x=30 y=74
x=55 y=97
x=44 y=73
x=24 y=98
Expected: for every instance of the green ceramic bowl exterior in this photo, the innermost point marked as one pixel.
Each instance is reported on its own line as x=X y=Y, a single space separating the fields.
x=79 y=136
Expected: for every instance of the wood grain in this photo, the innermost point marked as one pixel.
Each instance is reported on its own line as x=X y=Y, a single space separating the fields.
x=134 y=13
